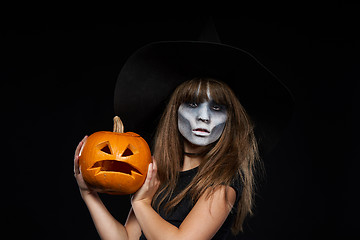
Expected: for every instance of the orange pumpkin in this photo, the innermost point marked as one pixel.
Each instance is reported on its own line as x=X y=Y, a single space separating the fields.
x=115 y=162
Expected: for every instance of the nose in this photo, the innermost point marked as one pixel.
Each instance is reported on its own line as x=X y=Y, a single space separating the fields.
x=203 y=114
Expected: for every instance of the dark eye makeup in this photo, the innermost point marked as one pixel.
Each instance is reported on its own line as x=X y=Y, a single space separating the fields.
x=213 y=106
x=192 y=105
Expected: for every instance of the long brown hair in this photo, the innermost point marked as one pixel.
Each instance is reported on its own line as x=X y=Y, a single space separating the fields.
x=234 y=154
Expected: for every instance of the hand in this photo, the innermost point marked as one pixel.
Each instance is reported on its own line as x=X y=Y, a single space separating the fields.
x=150 y=186
x=84 y=188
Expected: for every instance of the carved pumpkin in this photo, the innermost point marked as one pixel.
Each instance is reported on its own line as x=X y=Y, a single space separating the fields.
x=115 y=162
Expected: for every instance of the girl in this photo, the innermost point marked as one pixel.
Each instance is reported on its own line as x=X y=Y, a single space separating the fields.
x=200 y=184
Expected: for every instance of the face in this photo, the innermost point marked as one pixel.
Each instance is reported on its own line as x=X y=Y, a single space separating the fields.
x=201 y=123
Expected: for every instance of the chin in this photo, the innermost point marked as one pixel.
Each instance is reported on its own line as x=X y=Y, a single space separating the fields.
x=200 y=143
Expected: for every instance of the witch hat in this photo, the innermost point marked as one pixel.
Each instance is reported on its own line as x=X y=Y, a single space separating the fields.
x=152 y=73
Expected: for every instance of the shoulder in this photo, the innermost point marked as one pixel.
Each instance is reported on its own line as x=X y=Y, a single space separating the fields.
x=221 y=197
x=209 y=213
x=224 y=191
x=237 y=186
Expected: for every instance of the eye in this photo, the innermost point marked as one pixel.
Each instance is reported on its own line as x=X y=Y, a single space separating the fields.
x=192 y=105
x=216 y=107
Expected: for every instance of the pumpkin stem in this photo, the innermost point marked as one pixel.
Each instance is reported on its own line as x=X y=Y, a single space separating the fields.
x=118 y=125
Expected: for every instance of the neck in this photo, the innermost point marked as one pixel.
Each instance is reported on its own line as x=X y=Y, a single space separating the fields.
x=192 y=155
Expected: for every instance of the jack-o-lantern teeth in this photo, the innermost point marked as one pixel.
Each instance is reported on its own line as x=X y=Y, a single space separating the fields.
x=114 y=166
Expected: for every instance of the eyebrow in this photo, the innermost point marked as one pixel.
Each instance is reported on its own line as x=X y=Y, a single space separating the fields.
x=211 y=101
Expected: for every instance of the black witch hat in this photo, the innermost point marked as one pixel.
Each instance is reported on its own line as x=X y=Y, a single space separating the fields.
x=152 y=73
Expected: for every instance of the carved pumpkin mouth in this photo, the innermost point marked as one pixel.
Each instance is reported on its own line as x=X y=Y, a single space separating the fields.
x=115 y=166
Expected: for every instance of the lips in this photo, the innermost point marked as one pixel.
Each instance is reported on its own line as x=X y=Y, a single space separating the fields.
x=201 y=132
x=115 y=166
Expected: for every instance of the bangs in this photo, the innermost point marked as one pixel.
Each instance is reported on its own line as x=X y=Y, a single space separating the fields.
x=198 y=90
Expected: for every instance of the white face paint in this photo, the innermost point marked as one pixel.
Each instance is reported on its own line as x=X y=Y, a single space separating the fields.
x=203 y=123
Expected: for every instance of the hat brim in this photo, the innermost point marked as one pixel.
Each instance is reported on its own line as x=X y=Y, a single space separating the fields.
x=152 y=73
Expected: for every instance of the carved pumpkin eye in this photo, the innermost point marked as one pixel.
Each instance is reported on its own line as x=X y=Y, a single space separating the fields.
x=127 y=152
x=130 y=150
x=105 y=147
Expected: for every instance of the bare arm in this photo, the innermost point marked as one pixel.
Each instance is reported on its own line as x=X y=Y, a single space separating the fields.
x=106 y=225
x=203 y=221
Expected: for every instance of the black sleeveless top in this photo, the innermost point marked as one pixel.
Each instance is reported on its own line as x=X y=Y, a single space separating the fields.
x=179 y=213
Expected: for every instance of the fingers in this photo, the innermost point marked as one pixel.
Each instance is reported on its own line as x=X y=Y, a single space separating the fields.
x=155 y=176
x=154 y=168
x=78 y=148
x=149 y=173
x=76 y=157
x=153 y=160
x=150 y=186
x=151 y=178
x=76 y=165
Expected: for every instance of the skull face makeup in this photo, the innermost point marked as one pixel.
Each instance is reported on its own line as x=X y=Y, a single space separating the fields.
x=201 y=123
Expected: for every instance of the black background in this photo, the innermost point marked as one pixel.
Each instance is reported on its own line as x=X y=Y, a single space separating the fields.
x=58 y=79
